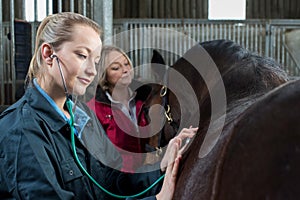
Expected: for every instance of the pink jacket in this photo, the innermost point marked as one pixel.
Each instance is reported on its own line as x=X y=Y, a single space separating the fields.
x=129 y=140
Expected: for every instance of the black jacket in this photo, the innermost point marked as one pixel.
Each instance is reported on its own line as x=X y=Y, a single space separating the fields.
x=36 y=158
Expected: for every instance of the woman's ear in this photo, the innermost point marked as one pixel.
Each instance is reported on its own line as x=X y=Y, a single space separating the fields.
x=47 y=51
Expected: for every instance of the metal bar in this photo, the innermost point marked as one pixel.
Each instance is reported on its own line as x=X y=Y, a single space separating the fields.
x=207 y=32
x=262 y=30
x=238 y=31
x=201 y=27
x=256 y=38
x=251 y=43
x=106 y=18
x=224 y=27
x=135 y=42
x=35 y=11
x=59 y=6
x=12 y=43
x=72 y=6
x=229 y=31
x=278 y=44
x=246 y=35
x=215 y=35
x=176 y=42
x=211 y=29
x=173 y=47
x=1 y=58
x=197 y=33
x=138 y=44
x=34 y=25
x=283 y=52
x=6 y=59
x=181 y=43
x=47 y=7
x=130 y=43
x=92 y=10
x=268 y=39
x=189 y=36
x=84 y=7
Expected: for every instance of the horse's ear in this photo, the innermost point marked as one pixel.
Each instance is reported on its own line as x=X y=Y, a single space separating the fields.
x=157 y=58
x=158 y=65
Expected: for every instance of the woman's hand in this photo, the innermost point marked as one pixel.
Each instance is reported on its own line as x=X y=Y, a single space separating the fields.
x=186 y=133
x=171 y=161
x=168 y=186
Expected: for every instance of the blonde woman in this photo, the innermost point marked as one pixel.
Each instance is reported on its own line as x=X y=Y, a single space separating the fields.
x=120 y=110
x=37 y=156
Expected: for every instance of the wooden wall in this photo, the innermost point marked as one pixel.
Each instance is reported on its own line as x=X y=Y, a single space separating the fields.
x=256 y=9
x=160 y=8
x=273 y=9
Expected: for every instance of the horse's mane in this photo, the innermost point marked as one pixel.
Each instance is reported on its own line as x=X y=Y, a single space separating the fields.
x=244 y=73
x=246 y=76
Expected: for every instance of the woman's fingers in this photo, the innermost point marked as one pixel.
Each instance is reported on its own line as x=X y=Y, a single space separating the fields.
x=169 y=183
x=171 y=153
x=171 y=161
x=186 y=133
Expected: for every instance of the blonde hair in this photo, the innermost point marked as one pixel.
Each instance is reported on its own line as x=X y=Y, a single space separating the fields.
x=106 y=49
x=55 y=30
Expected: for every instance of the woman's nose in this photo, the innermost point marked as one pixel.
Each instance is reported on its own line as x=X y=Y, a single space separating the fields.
x=91 y=69
x=126 y=68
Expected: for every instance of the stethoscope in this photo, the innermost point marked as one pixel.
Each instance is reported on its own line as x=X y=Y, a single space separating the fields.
x=71 y=123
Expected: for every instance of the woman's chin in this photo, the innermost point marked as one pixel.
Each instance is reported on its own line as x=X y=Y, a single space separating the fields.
x=79 y=91
x=123 y=83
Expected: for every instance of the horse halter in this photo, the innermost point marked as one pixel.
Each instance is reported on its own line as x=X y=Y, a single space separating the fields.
x=168 y=114
x=163 y=95
x=167 y=107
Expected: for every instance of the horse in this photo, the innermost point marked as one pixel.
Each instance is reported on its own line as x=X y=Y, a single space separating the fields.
x=256 y=155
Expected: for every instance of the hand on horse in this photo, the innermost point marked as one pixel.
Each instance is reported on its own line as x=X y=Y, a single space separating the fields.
x=168 y=187
x=185 y=135
x=171 y=161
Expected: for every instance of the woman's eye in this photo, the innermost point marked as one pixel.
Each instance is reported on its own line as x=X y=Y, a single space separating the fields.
x=115 y=68
x=82 y=56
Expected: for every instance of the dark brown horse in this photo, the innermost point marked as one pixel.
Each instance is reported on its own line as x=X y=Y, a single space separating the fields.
x=257 y=153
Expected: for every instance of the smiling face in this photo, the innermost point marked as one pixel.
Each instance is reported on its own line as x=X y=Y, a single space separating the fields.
x=78 y=58
x=119 y=71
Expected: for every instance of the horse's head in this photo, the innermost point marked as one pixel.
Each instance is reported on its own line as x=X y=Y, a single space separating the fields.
x=163 y=97
x=243 y=73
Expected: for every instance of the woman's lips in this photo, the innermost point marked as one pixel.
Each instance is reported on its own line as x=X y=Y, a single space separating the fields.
x=85 y=81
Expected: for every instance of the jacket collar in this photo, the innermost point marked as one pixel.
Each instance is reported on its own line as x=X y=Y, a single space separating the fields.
x=80 y=117
x=44 y=109
x=142 y=92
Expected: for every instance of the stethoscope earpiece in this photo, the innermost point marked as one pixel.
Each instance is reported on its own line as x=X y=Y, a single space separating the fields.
x=53 y=56
x=61 y=74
